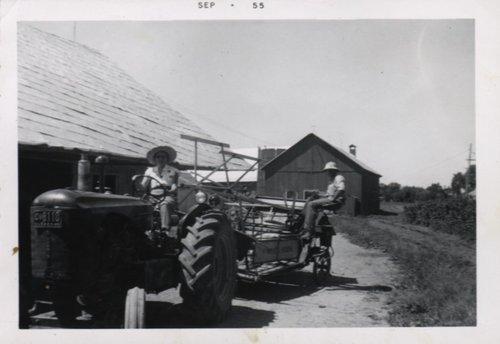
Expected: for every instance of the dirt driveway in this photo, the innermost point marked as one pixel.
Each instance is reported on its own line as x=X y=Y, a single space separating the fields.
x=356 y=295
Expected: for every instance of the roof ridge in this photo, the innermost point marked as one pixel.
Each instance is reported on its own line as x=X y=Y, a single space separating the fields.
x=340 y=150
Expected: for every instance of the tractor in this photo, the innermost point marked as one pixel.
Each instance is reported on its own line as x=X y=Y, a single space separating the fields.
x=96 y=255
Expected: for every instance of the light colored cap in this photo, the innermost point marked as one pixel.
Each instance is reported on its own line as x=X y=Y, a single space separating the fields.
x=330 y=166
x=167 y=149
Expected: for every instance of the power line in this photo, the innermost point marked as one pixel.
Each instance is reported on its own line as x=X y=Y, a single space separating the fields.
x=438 y=163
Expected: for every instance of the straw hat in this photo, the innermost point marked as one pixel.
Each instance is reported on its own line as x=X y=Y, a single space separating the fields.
x=330 y=166
x=171 y=153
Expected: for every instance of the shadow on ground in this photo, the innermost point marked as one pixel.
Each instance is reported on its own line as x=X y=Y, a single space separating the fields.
x=297 y=284
x=277 y=289
x=168 y=315
x=386 y=213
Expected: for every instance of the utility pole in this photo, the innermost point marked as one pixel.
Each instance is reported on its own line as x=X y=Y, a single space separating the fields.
x=467 y=173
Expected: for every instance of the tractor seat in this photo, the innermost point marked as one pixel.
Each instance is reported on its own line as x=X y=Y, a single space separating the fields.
x=330 y=206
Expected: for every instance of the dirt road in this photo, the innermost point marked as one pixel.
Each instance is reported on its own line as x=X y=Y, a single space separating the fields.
x=356 y=295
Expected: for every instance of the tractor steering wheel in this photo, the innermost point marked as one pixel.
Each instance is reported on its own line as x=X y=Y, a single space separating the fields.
x=159 y=192
x=155 y=194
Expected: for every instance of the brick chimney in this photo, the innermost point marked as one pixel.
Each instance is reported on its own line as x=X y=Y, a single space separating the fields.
x=352 y=149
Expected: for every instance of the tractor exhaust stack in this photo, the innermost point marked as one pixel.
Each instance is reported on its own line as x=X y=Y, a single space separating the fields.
x=83 y=182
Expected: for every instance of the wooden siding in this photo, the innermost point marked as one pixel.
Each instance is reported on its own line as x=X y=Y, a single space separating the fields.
x=304 y=172
x=300 y=168
x=371 y=194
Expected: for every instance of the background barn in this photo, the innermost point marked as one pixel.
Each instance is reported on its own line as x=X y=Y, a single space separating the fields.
x=299 y=169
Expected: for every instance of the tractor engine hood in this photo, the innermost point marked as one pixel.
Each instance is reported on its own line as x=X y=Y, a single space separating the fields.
x=68 y=198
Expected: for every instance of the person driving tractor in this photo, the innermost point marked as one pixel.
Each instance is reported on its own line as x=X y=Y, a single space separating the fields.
x=334 y=198
x=165 y=178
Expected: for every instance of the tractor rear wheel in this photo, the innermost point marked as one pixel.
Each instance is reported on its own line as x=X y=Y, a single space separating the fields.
x=208 y=262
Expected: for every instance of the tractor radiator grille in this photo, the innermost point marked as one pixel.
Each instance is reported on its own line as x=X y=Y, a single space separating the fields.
x=50 y=256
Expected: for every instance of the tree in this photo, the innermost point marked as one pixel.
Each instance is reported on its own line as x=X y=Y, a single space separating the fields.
x=381 y=188
x=436 y=191
x=389 y=191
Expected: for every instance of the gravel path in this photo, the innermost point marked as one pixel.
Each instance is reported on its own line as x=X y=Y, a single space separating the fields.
x=356 y=295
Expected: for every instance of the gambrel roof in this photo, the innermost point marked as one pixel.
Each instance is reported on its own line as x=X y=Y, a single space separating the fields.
x=72 y=97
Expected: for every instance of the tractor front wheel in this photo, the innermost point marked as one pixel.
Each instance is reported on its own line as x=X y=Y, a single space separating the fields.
x=208 y=261
x=65 y=310
x=135 y=308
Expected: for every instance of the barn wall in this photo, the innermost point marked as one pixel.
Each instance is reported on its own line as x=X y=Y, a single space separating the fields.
x=281 y=182
x=354 y=192
x=300 y=168
x=43 y=171
x=371 y=194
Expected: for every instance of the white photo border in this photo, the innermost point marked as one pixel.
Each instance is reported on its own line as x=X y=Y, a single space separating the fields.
x=488 y=158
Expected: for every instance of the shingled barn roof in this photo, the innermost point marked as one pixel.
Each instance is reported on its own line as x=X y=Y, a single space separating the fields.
x=73 y=97
x=311 y=139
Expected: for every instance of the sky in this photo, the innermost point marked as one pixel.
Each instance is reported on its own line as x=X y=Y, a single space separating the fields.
x=402 y=91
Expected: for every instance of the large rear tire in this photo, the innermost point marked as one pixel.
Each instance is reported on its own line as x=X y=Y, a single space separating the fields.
x=208 y=261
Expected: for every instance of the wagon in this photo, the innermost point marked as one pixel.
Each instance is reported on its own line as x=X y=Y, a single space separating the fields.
x=269 y=231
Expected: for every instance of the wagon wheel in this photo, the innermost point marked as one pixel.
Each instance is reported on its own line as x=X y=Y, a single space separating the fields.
x=321 y=267
x=208 y=261
x=135 y=310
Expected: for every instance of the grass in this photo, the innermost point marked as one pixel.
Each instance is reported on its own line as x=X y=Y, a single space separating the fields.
x=438 y=270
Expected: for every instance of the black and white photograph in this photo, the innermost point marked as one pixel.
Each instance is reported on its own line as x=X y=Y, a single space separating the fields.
x=249 y=174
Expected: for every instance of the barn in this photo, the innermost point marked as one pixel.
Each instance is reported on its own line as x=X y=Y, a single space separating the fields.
x=74 y=100
x=299 y=169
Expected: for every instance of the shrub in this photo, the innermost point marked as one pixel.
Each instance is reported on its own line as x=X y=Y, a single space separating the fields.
x=452 y=215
